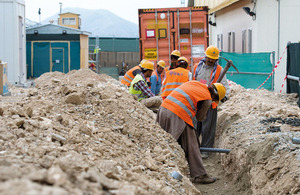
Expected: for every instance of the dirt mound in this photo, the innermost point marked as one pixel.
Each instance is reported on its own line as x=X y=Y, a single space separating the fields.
x=261 y=160
x=83 y=133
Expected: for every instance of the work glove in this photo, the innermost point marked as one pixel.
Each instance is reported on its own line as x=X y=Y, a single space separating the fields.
x=149 y=84
x=224 y=99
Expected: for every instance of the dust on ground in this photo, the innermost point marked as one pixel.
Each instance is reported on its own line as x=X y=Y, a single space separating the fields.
x=83 y=133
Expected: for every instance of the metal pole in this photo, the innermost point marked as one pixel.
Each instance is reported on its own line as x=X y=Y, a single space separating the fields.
x=60 y=4
x=191 y=39
x=273 y=65
x=97 y=57
x=169 y=35
x=178 y=30
x=293 y=78
x=220 y=150
x=296 y=140
x=157 y=54
x=278 y=30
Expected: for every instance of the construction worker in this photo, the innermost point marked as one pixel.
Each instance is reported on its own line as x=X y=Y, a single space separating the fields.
x=176 y=77
x=191 y=99
x=131 y=73
x=140 y=89
x=208 y=72
x=156 y=79
x=174 y=57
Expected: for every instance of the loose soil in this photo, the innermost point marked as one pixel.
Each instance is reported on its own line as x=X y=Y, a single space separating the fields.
x=83 y=133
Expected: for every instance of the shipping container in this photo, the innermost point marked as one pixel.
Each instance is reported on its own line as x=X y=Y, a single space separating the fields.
x=165 y=29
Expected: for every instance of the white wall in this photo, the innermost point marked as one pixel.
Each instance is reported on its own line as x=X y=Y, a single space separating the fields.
x=232 y=19
x=264 y=29
x=13 y=39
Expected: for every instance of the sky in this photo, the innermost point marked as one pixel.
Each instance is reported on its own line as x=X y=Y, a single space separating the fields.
x=127 y=9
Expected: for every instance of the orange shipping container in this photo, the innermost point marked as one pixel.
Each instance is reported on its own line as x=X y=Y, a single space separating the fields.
x=165 y=29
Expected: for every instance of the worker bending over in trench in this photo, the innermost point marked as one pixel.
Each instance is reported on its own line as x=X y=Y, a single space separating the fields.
x=140 y=89
x=175 y=116
x=176 y=77
x=131 y=73
x=156 y=79
x=208 y=71
x=174 y=57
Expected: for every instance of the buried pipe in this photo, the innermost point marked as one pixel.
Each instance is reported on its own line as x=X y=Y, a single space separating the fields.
x=220 y=150
x=296 y=140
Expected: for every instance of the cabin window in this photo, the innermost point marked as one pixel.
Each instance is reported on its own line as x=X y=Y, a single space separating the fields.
x=69 y=21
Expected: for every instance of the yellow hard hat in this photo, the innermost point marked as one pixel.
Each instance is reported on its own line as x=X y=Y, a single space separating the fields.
x=220 y=89
x=143 y=60
x=212 y=52
x=176 y=53
x=162 y=63
x=183 y=59
x=147 y=65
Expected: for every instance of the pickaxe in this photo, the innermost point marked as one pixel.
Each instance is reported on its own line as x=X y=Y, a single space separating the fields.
x=227 y=66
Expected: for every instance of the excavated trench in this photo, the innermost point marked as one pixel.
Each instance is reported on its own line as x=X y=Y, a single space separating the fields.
x=83 y=133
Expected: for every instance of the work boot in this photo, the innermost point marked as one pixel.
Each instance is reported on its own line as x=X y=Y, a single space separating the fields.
x=204 y=179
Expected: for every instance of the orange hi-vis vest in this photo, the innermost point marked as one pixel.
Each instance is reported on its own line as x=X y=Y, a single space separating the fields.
x=184 y=99
x=218 y=72
x=157 y=77
x=128 y=77
x=174 y=78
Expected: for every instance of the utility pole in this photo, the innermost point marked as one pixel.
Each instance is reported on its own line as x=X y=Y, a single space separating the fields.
x=39 y=12
x=60 y=4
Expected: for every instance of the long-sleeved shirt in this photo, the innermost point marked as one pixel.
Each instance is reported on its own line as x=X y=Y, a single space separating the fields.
x=155 y=83
x=204 y=77
x=141 y=85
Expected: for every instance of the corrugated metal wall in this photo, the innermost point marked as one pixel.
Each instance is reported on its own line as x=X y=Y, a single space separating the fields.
x=115 y=50
x=112 y=44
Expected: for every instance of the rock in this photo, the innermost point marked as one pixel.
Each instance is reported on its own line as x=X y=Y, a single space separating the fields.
x=55 y=81
x=73 y=99
x=56 y=176
x=29 y=112
x=59 y=138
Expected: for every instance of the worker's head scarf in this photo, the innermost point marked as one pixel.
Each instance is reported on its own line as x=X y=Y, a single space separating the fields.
x=213 y=73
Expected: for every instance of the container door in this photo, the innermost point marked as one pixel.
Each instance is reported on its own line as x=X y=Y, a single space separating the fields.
x=192 y=34
x=166 y=29
x=58 y=59
x=156 y=38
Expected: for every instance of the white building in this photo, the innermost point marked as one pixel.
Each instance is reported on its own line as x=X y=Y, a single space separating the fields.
x=13 y=39
x=268 y=26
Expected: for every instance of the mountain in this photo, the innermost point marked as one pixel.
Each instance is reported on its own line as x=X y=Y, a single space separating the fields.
x=101 y=22
x=30 y=23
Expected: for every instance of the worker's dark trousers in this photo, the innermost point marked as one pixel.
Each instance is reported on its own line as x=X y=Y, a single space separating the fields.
x=207 y=128
x=186 y=137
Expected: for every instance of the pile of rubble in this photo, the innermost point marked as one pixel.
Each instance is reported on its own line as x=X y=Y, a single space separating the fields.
x=83 y=133
x=258 y=126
